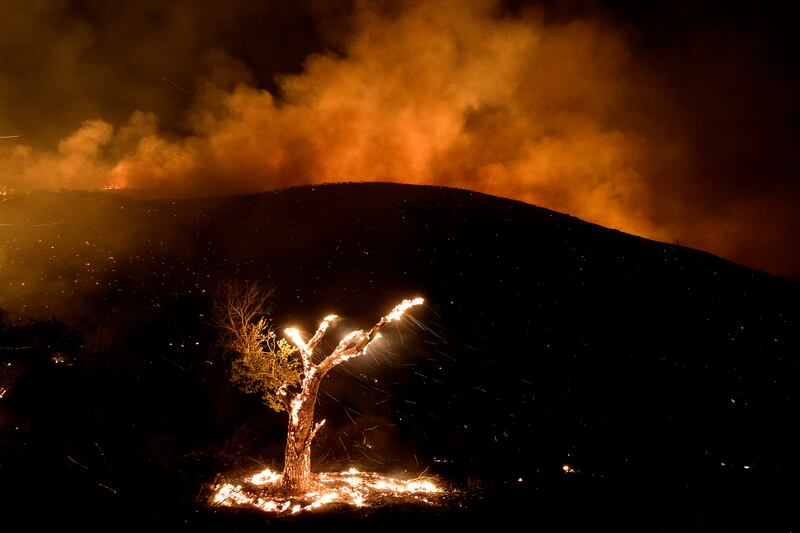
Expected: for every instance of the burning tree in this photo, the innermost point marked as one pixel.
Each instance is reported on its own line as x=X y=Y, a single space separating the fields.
x=287 y=377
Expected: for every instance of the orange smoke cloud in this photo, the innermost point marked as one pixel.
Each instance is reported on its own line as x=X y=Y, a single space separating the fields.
x=451 y=93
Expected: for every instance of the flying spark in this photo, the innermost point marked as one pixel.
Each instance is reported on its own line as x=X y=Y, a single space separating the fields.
x=183 y=89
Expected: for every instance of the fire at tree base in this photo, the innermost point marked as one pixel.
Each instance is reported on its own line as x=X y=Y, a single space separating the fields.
x=350 y=488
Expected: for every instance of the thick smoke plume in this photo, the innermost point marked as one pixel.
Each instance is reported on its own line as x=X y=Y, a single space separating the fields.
x=686 y=142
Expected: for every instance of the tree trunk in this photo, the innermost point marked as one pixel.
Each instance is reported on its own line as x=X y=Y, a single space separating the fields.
x=297 y=459
x=296 y=463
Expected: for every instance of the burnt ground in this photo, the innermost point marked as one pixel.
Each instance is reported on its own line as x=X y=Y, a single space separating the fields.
x=667 y=378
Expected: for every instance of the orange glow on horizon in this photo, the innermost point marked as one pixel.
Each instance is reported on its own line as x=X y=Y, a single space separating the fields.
x=561 y=115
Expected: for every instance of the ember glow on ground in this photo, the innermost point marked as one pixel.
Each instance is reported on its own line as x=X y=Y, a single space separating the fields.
x=351 y=487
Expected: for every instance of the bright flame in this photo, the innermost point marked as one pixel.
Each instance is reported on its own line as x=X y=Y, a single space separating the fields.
x=58 y=359
x=376 y=337
x=297 y=403
x=294 y=334
x=264 y=477
x=402 y=307
x=351 y=487
x=350 y=337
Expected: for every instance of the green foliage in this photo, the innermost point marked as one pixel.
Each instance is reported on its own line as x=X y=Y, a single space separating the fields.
x=268 y=372
x=263 y=363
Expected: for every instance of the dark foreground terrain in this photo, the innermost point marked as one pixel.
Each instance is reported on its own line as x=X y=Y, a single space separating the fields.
x=561 y=373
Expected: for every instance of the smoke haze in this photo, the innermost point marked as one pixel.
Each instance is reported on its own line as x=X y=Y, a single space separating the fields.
x=688 y=139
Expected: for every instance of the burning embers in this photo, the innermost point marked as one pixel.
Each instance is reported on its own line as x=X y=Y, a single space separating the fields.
x=352 y=487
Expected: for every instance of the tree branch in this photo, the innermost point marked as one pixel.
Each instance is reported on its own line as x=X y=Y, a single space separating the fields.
x=355 y=343
x=305 y=352
x=323 y=327
x=307 y=348
x=317 y=427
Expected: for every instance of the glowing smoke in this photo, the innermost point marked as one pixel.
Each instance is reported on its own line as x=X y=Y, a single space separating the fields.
x=563 y=115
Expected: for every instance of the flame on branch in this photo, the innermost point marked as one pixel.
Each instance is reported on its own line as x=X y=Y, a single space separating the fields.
x=352 y=345
x=307 y=348
x=400 y=309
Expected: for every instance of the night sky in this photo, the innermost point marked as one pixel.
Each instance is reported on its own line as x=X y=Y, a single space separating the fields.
x=673 y=120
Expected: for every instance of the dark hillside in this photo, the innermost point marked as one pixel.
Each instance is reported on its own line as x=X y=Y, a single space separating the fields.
x=648 y=368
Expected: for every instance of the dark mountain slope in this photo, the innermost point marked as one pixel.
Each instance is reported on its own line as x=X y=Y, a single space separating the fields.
x=546 y=341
